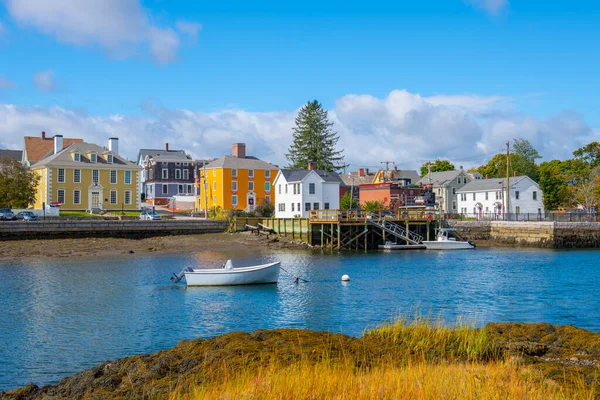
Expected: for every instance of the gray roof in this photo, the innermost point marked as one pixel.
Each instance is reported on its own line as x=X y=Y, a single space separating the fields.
x=64 y=159
x=247 y=162
x=353 y=179
x=406 y=174
x=440 y=178
x=296 y=175
x=16 y=154
x=163 y=155
x=493 y=184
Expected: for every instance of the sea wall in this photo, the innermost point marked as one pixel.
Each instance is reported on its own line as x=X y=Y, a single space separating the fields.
x=85 y=228
x=531 y=234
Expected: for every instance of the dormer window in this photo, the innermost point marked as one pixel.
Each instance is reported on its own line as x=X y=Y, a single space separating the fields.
x=109 y=158
x=93 y=157
x=76 y=156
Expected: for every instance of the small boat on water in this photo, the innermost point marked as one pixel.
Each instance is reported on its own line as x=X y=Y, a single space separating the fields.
x=228 y=275
x=395 y=246
x=445 y=241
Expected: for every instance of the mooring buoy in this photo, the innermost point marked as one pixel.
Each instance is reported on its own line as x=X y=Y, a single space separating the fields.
x=345 y=278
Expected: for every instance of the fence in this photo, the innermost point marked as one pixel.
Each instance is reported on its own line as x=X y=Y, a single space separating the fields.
x=535 y=217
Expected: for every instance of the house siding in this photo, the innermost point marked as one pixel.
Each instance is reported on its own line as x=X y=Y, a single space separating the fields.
x=325 y=192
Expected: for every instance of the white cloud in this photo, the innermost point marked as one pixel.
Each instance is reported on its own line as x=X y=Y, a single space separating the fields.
x=402 y=127
x=190 y=29
x=44 y=81
x=119 y=26
x=492 y=7
x=5 y=83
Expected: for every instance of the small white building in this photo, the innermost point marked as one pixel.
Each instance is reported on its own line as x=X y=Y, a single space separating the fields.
x=484 y=198
x=298 y=191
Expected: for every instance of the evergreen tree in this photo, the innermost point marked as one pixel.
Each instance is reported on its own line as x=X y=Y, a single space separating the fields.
x=314 y=140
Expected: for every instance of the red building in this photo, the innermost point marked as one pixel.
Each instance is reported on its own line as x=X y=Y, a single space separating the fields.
x=391 y=195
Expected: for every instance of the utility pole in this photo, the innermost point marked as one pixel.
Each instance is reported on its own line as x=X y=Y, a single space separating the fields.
x=507 y=210
x=387 y=164
x=351 y=193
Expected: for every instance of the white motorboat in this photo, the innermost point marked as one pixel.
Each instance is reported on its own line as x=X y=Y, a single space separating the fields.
x=228 y=275
x=445 y=241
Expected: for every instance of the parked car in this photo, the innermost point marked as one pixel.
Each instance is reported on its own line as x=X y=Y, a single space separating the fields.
x=28 y=216
x=150 y=215
x=6 y=214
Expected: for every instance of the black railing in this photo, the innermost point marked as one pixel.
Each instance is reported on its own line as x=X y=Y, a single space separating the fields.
x=534 y=217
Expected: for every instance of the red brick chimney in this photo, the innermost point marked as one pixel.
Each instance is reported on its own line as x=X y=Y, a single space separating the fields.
x=361 y=172
x=460 y=167
x=238 y=150
x=312 y=165
x=43 y=135
x=167 y=146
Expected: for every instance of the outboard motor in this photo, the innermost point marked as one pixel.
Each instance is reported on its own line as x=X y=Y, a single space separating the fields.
x=177 y=277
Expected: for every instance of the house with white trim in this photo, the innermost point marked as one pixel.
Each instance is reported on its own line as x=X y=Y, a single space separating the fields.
x=484 y=198
x=299 y=191
x=446 y=185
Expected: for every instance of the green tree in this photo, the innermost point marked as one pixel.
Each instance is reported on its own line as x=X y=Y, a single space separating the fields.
x=345 y=202
x=373 y=206
x=18 y=184
x=590 y=154
x=524 y=148
x=314 y=141
x=436 y=166
x=554 y=181
x=496 y=167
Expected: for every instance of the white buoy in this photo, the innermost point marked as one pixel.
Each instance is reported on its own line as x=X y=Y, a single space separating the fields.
x=345 y=278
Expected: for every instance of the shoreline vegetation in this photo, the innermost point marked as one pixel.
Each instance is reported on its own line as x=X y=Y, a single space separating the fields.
x=403 y=359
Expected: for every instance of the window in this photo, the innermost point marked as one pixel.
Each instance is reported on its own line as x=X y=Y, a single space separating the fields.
x=214 y=185
x=165 y=189
x=454 y=205
x=95 y=178
x=474 y=197
x=128 y=177
x=234 y=201
x=234 y=172
x=486 y=195
x=292 y=206
x=165 y=173
x=517 y=209
x=60 y=196
x=77 y=176
x=315 y=206
x=298 y=206
x=298 y=188
x=128 y=197
x=294 y=188
x=189 y=188
x=179 y=189
x=186 y=174
x=306 y=206
x=234 y=186
x=453 y=190
x=311 y=190
x=177 y=174
x=517 y=195
x=267 y=174
x=93 y=157
x=458 y=180
x=185 y=164
x=251 y=186
x=534 y=195
x=109 y=158
x=267 y=186
x=282 y=207
x=215 y=200
x=113 y=177
x=113 y=197
x=214 y=174
x=279 y=189
x=326 y=206
x=286 y=188
x=76 y=196
x=76 y=158
x=177 y=163
x=250 y=173
x=61 y=175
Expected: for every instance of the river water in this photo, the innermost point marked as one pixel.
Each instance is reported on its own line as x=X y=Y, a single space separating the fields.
x=58 y=317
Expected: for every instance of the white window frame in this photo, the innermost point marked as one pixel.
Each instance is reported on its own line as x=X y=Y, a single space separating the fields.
x=165 y=173
x=64 y=175
x=110 y=158
x=234 y=200
x=76 y=173
x=127 y=177
x=77 y=156
x=186 y=174
x=234 y=172
x=250 y=173
x=180 y=188
x=127 y=201
x=97 y=180
x=79 y=195
x=267 y=174
x=165 y=188
x=267 y=186
x=312 y=188
x=116 y=197
x=234 y=186
x=251 y=186
x=190 y=188
x=215 y=185
x=93 y=157
x=58 y=195
x=113 y=173
x=177 y=174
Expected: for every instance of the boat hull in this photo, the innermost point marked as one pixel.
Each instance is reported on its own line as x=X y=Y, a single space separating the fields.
x=447 y=245
x=267 y=273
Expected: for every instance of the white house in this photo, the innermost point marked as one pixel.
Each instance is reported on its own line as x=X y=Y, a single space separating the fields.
x=485 y=197
x=445 y=185
x=299 y=191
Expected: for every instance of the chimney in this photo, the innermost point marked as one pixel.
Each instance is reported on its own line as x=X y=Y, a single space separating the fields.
x=113 y=145
x=166 y=146
x=239 y=150
x=43 y=135
x=460 y=167
x=361 y=172
x=395 y=168
x=312 y=165
x=515 y=174
x=58 y=143
x=487 y=176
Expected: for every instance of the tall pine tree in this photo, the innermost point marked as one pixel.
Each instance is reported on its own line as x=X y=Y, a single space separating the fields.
x=314 y=140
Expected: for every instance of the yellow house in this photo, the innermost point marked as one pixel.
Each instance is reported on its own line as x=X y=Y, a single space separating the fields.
x=87 y=177
x=236 y=182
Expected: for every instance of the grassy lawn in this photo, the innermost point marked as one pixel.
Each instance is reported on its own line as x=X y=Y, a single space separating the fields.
x=75 y=214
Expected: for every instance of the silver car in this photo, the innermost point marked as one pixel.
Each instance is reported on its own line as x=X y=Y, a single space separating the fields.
x=28 y=216
x=6 y=214
x=150 y=215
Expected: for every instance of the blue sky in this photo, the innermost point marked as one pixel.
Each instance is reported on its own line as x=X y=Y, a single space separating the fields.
x=490 y=61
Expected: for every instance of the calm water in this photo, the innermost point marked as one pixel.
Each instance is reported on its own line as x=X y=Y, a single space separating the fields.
x=60 y=317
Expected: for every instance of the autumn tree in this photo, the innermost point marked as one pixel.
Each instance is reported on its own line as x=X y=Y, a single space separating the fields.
x=436 y=166
x=18 y=184
x=314 y=140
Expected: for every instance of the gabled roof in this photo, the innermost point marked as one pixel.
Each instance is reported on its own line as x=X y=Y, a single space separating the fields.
x=399 y=174
x=247 y=162
x=440 y=178
x=493 y=184
x=64 y=159
x=37 y=148
x=14 y=154
x=297 y=175
x=354 y=179
x=163 y=155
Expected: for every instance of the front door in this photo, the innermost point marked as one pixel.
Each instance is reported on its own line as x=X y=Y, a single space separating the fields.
x=251 y=201
x=95 y=199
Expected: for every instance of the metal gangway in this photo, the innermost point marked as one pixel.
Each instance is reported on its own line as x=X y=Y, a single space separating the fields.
x=396 y=230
